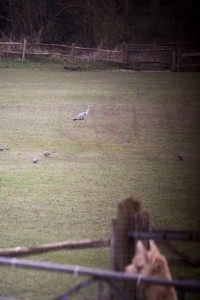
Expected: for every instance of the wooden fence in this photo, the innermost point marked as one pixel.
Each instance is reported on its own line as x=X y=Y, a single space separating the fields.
x=129 y=56
x=132 y=223
x=150 y=57
x=68 y=53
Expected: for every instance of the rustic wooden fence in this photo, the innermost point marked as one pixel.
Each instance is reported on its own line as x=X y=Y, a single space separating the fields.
x=129 y=56
x=160 y=57
x=132 y=223
x=68 y=53
x=150 y=57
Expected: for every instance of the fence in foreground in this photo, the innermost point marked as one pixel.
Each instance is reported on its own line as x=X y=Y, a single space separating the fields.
x=131 y=224
x=112 y=278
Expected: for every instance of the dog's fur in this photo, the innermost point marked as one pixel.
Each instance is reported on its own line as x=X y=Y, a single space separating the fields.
x=152 y=263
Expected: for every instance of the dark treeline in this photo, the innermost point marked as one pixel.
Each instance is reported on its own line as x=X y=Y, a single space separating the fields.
x=100 y=23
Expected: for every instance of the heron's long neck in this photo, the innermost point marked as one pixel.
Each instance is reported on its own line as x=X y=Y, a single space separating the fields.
x=87 y=111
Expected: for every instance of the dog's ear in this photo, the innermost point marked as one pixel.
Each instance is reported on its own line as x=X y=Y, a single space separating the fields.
x=153 y=252
x=140 y=248
x=153 y=247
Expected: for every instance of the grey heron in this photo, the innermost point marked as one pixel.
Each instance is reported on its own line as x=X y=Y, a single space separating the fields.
x=82 y=115
x=48 y=153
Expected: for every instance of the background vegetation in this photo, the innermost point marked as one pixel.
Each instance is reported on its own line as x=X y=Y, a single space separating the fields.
x=127 y=146
x=105 y=23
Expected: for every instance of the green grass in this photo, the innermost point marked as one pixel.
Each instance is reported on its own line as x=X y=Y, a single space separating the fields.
x=137 y=124
x=35 y=62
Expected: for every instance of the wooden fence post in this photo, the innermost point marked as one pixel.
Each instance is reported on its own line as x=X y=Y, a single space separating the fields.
x=24 y=50
x=179 y=59
x=125 y=54
x=72 y=52
x=173 y=60
x=122 y=249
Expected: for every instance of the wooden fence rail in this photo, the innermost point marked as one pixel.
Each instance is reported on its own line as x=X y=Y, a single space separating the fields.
x=166 y=234
x=131 y=224
x=67 y=245
x=131 y=56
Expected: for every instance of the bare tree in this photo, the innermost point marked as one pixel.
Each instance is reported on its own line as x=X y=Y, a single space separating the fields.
x=26 y=18
x=154 y=19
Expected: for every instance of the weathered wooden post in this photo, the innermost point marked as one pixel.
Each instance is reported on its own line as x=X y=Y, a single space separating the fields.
x=72 y=52
x=178 y=54
x=173 y=60
x=129 y=218
x=124 y=54
x=24 y=50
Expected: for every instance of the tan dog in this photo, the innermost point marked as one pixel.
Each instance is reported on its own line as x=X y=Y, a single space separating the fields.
x=152 y=263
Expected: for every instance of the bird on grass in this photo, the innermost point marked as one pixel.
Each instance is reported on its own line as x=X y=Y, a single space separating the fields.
x=82 y=115
x=48 y=153
x=35 y=160
x=3 y=148
x=180 y=156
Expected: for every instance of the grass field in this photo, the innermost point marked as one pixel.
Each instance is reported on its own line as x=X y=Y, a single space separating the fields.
x=127 y=146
